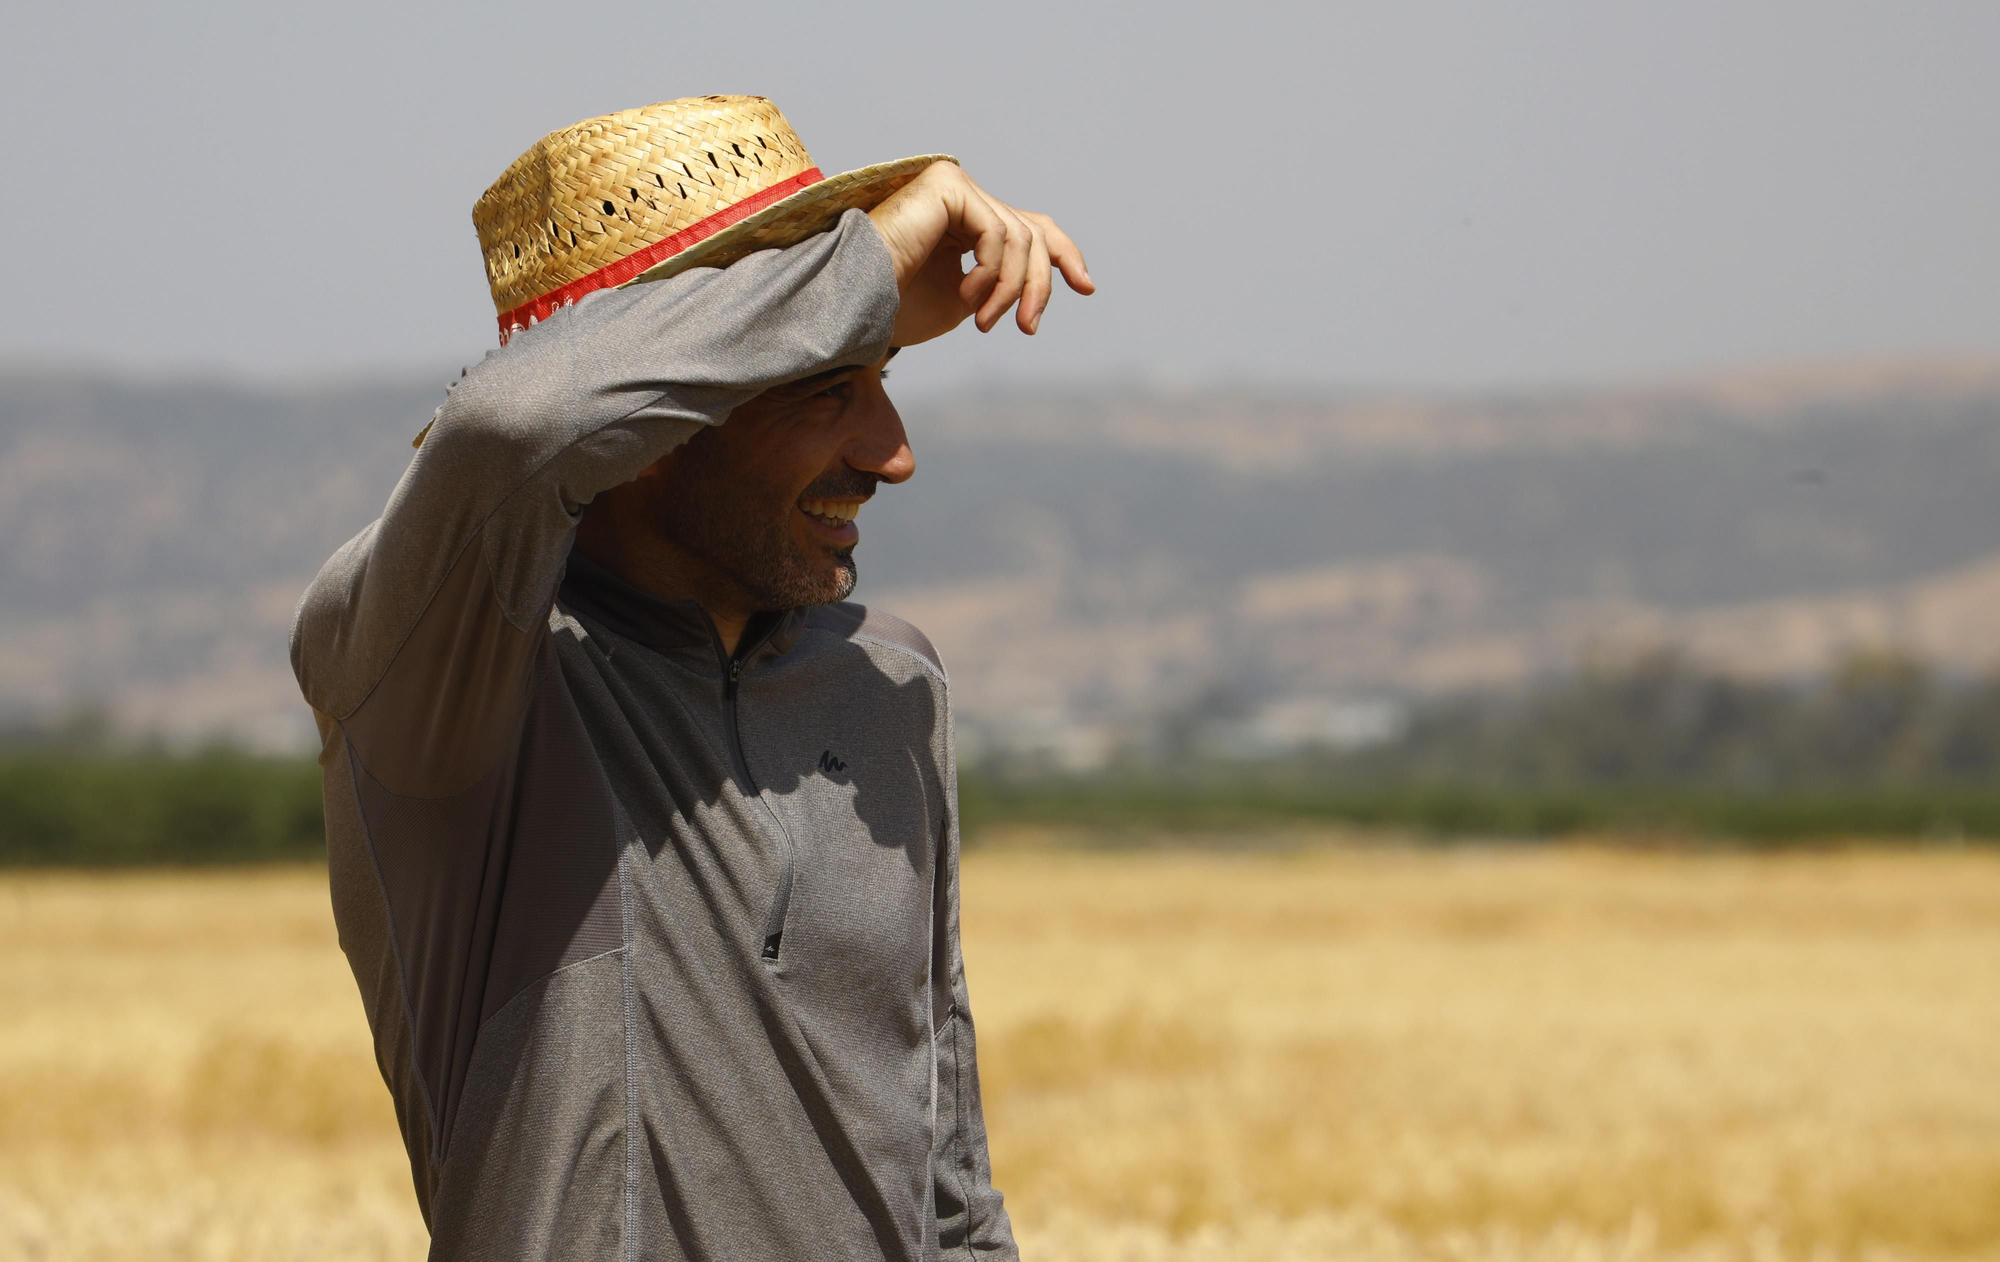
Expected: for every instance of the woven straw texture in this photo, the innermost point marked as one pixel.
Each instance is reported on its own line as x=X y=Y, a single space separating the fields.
x=799 y=216
x=590 y=194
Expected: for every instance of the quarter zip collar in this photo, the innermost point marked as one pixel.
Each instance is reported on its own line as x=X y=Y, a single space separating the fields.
x=757 y=637
x=677 y=629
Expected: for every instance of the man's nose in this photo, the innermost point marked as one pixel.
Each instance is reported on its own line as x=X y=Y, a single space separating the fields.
x=879 y=445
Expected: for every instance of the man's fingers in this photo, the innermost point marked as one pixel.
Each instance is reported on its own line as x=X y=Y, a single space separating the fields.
x=976 y=216
x=1064 y=254
x=942 y=215
x=1013 y=268
x=1014 y=273
x=1035 y=293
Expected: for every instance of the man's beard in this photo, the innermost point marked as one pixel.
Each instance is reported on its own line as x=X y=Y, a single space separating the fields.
x=759 y=550
x=777 y=577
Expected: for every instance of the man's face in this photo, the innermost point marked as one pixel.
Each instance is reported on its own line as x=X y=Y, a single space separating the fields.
x=761 y=508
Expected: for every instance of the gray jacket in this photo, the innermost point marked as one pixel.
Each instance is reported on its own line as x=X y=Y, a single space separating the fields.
x=659 y=948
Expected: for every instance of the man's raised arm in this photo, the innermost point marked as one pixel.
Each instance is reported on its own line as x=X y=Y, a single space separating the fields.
x=417 y=638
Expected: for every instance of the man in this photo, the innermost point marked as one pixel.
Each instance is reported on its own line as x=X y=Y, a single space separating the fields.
x=643 y=849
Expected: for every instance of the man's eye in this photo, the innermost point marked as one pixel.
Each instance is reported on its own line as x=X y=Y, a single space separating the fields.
x=838 y=390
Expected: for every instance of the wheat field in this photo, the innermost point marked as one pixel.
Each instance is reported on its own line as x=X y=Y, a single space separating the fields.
x=1322 y=1051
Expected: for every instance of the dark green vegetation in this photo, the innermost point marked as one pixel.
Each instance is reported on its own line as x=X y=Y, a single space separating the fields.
x=1122 y=809
x=101 y=809
x=1653 y=750
x=1880 y=723
x=226 y=808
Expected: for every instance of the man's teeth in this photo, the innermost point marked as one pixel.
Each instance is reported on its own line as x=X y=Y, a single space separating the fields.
x=832 y=510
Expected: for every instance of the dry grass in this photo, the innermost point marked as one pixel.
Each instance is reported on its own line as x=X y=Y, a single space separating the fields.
x=1363 y=1054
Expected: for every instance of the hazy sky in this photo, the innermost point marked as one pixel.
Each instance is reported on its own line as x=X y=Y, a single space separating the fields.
x=1400 y=192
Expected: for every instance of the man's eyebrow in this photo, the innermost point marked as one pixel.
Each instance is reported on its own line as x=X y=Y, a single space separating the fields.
x=820 y=378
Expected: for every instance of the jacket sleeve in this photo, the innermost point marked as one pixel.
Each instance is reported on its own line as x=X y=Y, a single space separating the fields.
x=972 y=1221
x=418 y=637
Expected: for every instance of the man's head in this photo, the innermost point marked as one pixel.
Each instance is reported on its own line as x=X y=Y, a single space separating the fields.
x=757 y=513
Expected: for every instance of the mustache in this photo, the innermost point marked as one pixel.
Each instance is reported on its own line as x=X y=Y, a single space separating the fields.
x=842 y=484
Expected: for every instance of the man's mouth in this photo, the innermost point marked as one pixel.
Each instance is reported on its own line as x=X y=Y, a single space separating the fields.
x=832 y=514
x=832 y=521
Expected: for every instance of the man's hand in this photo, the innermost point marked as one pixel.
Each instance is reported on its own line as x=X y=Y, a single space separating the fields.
x=929 y=225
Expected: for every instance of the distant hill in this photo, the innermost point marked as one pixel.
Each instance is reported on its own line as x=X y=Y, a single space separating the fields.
x=1099 y=555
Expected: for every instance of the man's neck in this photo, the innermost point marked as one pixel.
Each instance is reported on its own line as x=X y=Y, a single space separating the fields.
x=670 y=575
x=728 y=627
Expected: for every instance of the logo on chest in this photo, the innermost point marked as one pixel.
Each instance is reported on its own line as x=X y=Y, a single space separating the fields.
x=829 y=765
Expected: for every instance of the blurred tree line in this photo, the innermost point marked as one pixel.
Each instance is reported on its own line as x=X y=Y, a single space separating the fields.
x=74 y=792
x=1880 y=747
x=1879 y=719
x=1652 y=746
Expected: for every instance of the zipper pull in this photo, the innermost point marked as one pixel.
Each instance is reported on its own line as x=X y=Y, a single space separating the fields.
x=735 y=671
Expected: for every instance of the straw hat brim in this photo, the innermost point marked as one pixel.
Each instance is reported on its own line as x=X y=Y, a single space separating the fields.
x=812 y=210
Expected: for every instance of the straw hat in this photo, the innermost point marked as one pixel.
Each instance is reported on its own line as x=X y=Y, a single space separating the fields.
x=644 y=194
